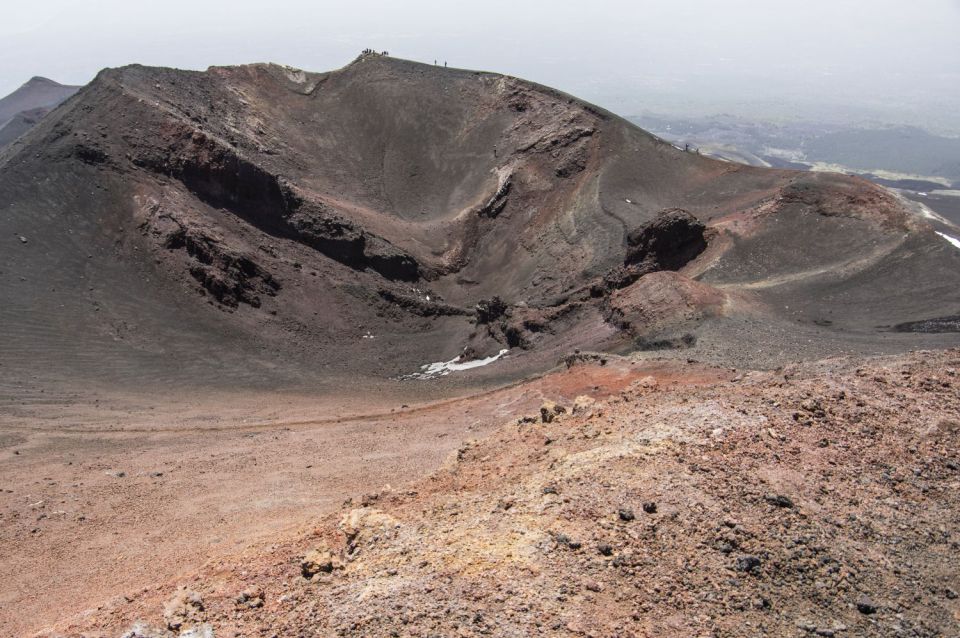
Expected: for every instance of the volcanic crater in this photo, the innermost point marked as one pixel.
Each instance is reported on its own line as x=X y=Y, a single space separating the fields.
x=250 y=224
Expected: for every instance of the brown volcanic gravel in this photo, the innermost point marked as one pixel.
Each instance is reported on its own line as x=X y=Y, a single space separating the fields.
x=819 y=499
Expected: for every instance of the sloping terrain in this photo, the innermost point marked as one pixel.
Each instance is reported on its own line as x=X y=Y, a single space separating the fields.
x=260 y=226
x=22 y=109
x=221 y=292
x=111 y=493
x=817 y=500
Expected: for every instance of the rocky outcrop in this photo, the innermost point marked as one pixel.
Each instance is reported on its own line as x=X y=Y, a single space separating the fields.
x=662 y=302
x=420 y=304
x=668 y=242
x=223 y=178
x=321 y=560
x=184 y=609
x=489 y=310
x=230 y=275
x=497 y=202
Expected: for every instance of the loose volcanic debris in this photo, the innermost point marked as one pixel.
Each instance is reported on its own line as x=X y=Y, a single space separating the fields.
x=750 y=526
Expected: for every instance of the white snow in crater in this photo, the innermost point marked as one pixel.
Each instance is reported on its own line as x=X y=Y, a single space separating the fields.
x=442 y=368
x=952 y=240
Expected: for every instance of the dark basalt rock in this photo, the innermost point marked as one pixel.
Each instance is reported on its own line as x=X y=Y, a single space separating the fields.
x=226 y=273
x=223 y=179
x=668 y=242
x=490 y=309
x=939 y=324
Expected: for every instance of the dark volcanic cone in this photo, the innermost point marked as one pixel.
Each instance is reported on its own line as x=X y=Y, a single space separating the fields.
x=263 y=225
x=22 y=109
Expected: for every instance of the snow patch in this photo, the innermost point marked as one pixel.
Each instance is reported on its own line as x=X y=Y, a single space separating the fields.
x=952 y=240
x=443 y=368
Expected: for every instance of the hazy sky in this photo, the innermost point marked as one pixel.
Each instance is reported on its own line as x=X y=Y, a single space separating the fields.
x=890 y=59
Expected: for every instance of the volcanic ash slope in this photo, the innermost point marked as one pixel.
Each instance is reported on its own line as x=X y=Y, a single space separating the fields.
x=261 y=226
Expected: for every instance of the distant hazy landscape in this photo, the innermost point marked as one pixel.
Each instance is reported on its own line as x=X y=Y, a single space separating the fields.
x=920 y=165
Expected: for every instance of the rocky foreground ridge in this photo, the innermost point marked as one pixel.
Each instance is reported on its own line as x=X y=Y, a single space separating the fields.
x=815 y=500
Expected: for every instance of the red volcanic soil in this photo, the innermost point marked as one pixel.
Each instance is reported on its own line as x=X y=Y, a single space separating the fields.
x=126 y=491
x=819 y=499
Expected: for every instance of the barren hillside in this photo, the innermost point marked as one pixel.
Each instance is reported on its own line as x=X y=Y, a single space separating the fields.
x=264 y=226
x=816 y=500
x=22 y=109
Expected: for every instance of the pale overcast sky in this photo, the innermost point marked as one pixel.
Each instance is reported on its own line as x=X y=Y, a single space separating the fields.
x=890 y=59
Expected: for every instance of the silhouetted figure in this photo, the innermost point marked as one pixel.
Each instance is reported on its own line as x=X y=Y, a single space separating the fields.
x=444 y=64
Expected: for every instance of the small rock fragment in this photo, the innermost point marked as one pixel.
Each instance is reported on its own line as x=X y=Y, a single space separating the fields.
x=201 y=631
x=563 y=539
x=317 y=561
x=550 y=410
x=779 y=500
x=252 y=597
x=582 y=404
x=865 y=605
x=749 y=564
x=141 y=629
x=814 y=407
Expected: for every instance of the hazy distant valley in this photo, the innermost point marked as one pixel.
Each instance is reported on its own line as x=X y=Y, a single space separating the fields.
x=923 y=166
